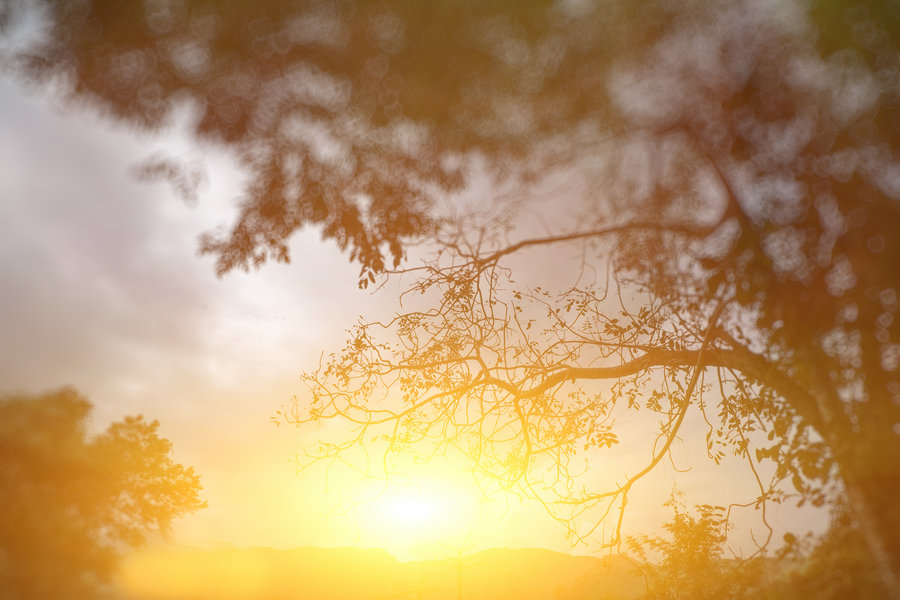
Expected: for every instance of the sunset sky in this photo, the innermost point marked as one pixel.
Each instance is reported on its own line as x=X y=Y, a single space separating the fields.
x=102 y=289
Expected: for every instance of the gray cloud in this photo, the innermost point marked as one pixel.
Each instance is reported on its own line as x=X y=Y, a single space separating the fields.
x=101 y=288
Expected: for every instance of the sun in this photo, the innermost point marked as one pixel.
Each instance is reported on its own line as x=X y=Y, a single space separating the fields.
x=421 y=509
x=410 y=508
x=421 y=515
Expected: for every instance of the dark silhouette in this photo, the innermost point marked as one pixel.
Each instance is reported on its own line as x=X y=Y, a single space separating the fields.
x=735 y=213
x=70 y=504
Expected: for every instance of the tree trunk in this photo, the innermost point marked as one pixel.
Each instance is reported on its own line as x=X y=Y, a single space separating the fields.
x=871 y=476
x=867 y=452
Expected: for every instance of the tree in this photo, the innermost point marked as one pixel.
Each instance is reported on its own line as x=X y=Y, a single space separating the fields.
x=836 y=565
x=72 y=503
x=350 y=116
x=734 y=210
x=745 y=232
x=691 y=561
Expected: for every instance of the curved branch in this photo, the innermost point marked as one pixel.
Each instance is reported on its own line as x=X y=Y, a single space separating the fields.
x=750 y=364
x=686 y=229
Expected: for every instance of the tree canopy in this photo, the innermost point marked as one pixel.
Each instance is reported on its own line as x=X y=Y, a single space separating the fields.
x=732 y=205
x=71 y=503
x=350 y=116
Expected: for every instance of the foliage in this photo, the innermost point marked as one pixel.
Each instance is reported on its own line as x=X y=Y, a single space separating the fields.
x=836 y=565
x=692 y=561
x=351 y=116
x=71 y=503
x=732 y=212
x=740 y=262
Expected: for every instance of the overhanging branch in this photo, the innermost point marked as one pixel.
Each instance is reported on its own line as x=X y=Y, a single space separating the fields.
x=750 y=364
x=686 y=229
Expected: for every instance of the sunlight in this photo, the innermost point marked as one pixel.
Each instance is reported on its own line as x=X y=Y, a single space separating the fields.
x=170 y=574
x=410 y=508
x=432 y=510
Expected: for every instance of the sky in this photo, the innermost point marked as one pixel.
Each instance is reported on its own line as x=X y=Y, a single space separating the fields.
x=103 y=290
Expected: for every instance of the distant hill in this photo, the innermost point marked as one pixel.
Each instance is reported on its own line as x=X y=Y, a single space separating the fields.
x=357 y=574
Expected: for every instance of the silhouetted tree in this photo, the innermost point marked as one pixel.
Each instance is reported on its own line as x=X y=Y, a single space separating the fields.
x=691 y=561
x=733 y=210
x=70 y=503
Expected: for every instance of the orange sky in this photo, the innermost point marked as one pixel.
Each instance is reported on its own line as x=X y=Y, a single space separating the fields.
x=103 y=290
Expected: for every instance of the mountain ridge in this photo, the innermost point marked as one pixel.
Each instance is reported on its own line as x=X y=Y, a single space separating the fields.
x=345 y=573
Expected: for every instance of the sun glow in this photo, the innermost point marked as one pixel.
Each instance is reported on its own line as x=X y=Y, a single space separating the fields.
x=410 y=508
x=426 y=514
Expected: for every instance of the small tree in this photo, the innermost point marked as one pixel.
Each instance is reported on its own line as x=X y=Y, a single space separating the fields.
x=689 y=562
x=71 y=504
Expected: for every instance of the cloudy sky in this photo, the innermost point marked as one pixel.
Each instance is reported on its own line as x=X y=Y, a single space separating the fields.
x=103 y=290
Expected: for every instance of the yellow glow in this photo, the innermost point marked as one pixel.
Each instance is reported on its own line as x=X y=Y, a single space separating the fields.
x=426 y=510
x=435 y=509
x=168 y=575
x=409 y=508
